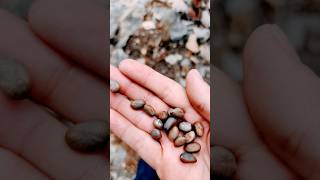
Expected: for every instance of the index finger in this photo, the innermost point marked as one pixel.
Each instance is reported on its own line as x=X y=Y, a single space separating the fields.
x=165 y=88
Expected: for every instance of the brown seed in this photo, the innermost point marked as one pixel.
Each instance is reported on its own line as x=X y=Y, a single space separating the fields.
x=173 y=133
x=180 y=140
x=163 y=115
x=185 y=126
x=149 y=110
x=190 y=136
x=171 y=121
x=176 y=112
x=199 y=128
x=137 y=104
x=192 y=147
x=224 y=162
x=114 y=86
x=187 y=158
x=88 y=136
x=157 y=123
x=14 y=79
x=156 y=134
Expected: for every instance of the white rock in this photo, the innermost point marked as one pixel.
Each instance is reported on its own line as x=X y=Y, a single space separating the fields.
x=173 y=58
x=148 y=25
x=203 y=34
x=205 y=18
x=205 y=52
x=192 y=44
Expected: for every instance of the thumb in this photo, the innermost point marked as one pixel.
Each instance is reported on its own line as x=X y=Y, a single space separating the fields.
x=198 y=92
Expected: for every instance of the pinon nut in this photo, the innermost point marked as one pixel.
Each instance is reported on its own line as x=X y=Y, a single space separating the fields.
x=198 y=128
x=187 y=158
x=114 y=86
x=180 y=140
x=163 y=115
x=137 y=104
x=192 y=147
x=185 y=126
x=176 y=112
x=156 y=134
x=171 y=121
x=224 y=162
x=14 y=79
x=173 y=133
x=88 y=136
x=149 y=110
x=190 y=136
x=157 y=123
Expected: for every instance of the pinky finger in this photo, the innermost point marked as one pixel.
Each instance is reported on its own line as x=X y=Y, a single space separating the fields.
x=140 y=141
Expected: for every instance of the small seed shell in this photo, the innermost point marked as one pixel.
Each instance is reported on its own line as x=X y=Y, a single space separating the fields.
x=173 y=133
x=192 y=147
x=163 y=115
x=137 y=104
x=185 y=126
x=149 y=110
x=156 y=134
x=171 y=121
x=190 y=136
x=176 y=112
x=180 y=140
x=199 y=129
x=157 y=123
x=114 y=86
x=187 y=158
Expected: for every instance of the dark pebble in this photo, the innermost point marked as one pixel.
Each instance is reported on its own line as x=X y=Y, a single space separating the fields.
x=171 y=121
x=14 y=79
x=185 y=126
x=192 y=147
x=187 y=158
x=190 y=136
x=199 y=129
x=114 y=86
x=224 y=163
x=88 y=136
x=156 y=134
x=157 y=123
x=180 y=140
x=173 y=133
x=176 y=112
x=149 y=110
x=137 y=104
x=163 y=115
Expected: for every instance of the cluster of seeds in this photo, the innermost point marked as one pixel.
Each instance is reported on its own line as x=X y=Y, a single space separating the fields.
x=179 y=131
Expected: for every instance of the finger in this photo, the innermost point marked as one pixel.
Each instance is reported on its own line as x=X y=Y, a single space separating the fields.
x=29 y=131
x=138 y=140
x=231 y=118
x=77 y=28
x=134 y=91
x=284 y=98
x=56 y=83
x=198 y=92
x=13 y=167
x=166 y=89
x=140 y=119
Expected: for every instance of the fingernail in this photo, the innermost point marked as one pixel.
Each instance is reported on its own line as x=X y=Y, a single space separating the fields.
x=283 y=41
x=197 y=74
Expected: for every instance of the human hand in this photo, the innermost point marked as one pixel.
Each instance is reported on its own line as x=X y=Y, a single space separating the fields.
x=272 y=124
x=67 y=65
x=139 y=81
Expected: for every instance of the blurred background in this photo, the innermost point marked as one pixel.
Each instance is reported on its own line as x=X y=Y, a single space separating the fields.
x=235 y=20
x=171 y=36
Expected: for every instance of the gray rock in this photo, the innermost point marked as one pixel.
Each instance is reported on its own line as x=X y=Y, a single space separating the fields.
x=117 y=56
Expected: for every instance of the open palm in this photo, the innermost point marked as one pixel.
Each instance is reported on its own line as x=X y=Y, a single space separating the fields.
x=138 y=81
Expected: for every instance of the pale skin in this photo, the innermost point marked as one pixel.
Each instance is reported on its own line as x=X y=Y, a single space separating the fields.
x=133 y=126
